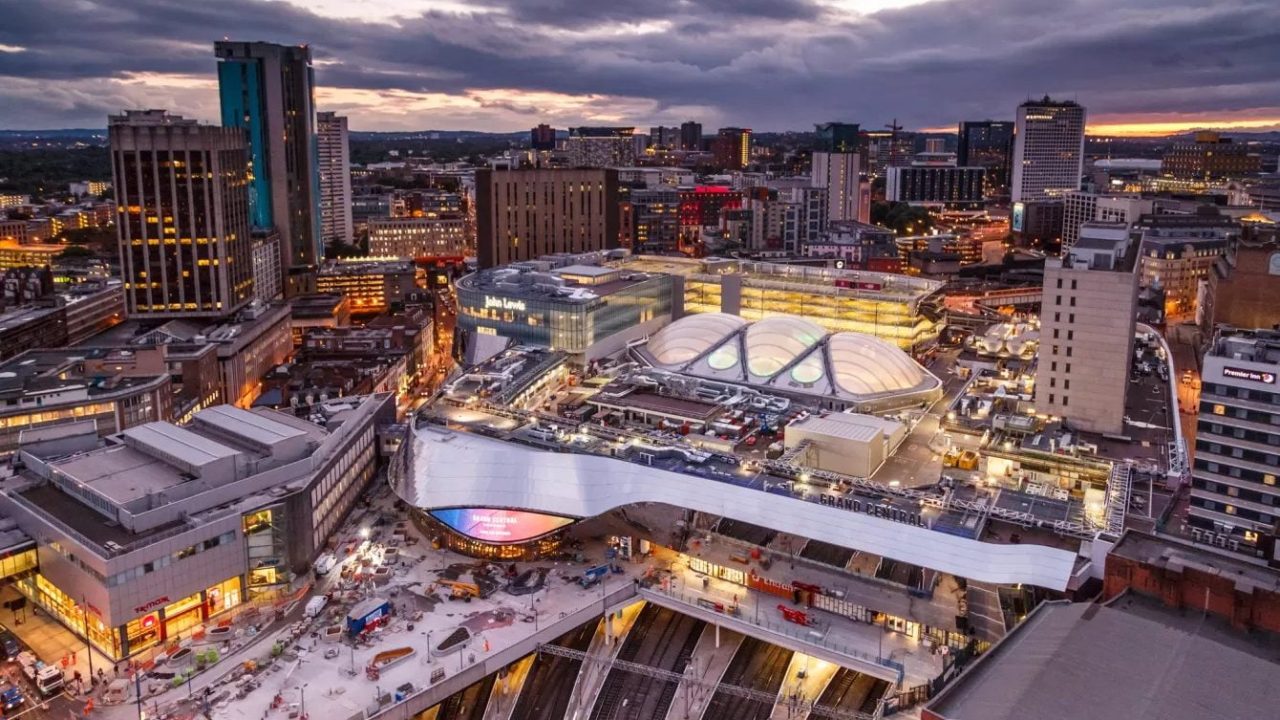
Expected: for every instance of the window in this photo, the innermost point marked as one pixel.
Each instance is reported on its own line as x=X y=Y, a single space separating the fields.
x=1053 y=366
x=1052 y=399
x=1060 y=283
x=1071 y=318
x=1233 y=491
x=1269 y=479
x=1073 y=284
x=1071 y=334
x=1068 y=351
x=1053 y=382
x=1219 y=410
x=1055 y=333
x=1065 y=401
x=1229 y=509
x=1066 y=384
x=1073 y=302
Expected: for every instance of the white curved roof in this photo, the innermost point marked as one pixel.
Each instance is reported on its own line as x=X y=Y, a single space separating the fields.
x=774 y=342
x=461 y=470
x=866 y=365
x=689 y=337
x=789 y=352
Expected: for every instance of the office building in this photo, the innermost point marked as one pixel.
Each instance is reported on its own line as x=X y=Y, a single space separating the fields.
x=884 y=149
x=522 y=214
x=373 y=286
x=1186 y=255
x=89 y=187
x=651 y=219
x=267 y=276
x=1235 y=498
x=600 y=147
x=1086 y=331
x=268 y=91
x=1048 y=149
x=837 y=137
x=691 y=136
x=183 y=215
x=732 y=148
x=9 y=201
x=953 y=188
x=542 y=137
x=841 y=174
x=1210 y=157
x=1082 y=206
x=987 y=144
x=166 y=528
x=15 y=254
x=853 y=245
x=418 y=237
x=335 y=178
x=320 y=310
x=667 y=138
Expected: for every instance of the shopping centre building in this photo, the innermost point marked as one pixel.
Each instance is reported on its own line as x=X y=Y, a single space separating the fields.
x=591 y=305
x=142 y=540
x=587 y=311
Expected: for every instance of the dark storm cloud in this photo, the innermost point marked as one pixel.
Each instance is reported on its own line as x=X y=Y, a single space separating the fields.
x=779 y=64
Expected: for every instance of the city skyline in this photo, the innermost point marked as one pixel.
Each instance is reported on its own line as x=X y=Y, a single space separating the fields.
x=416 y=65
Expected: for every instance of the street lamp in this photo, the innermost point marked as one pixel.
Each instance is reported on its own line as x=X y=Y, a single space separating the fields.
x=302 y=700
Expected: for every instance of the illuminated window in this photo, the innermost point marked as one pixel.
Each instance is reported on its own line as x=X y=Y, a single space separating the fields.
x=1219 y=410
x=1229 y=509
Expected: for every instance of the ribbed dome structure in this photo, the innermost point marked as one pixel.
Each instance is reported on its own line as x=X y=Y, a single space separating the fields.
x=689 y=337
x=776 y=341
x=784 y=353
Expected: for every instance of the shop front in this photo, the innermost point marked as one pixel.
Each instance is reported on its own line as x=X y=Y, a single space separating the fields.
x=159 y=620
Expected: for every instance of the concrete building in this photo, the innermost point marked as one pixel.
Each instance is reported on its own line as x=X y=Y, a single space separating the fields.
x=266 y=265
x=183 y=222
x=114 y=390
x=523 y=214
x=846 y=443
x=268 y=91
x=1081 y=206
x=542 y=137
x=1086 y=331
x=841 y=174
x=1210 y=157
x=418 y=237
x=145 y=540
x=732 y=148
x=334 y=155
x=1247 y=297
x=373 y=286
x=651 y=219
x=1048 y=149
x=318 y=311
x=600 y=147
x=691 y=135
x=853 y=244
x=89 y=187
x=1235 y=498
x=16 y=254
x=1186 y=255
x=837 y=137
x=952 y=188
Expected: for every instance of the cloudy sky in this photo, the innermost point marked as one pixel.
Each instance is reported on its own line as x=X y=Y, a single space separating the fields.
x=501 y=65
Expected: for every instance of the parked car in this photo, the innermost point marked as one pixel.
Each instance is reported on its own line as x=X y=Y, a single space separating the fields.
x=9 y=644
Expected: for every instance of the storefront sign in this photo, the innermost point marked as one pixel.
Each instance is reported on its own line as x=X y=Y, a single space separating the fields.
x=162 y=600
x=1250 y=375
x=876 y=509
x=503 y=303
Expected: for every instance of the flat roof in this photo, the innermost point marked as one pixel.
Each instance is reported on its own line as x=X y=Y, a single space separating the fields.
x=585 y=270
x=659 y=404
x=180 y=443
x=1131 y=658
x=249 y=425
x=1175 y=554
x=848 y=426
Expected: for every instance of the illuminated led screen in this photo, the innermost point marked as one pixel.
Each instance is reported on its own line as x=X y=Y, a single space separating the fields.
x=500 y=526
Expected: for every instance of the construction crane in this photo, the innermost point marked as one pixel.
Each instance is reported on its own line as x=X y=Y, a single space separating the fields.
x=893 y=127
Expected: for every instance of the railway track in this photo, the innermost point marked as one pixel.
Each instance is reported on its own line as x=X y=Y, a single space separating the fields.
x=549 y=685
x=468 y=703
x=659 y=638
x=756 y=665
x=852 y=690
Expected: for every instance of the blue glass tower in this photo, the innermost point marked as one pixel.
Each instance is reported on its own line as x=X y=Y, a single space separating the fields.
x=268 y=90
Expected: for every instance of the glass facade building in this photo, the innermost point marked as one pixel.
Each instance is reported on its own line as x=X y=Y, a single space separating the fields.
x=572 y=323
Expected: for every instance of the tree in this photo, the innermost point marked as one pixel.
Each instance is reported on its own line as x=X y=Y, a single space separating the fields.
x=75 y=251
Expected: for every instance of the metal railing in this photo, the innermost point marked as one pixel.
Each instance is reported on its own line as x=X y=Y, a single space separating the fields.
x=809 y=635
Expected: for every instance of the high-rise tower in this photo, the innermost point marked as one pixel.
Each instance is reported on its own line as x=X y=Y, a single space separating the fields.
x=267 y=90
x=183 y=205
